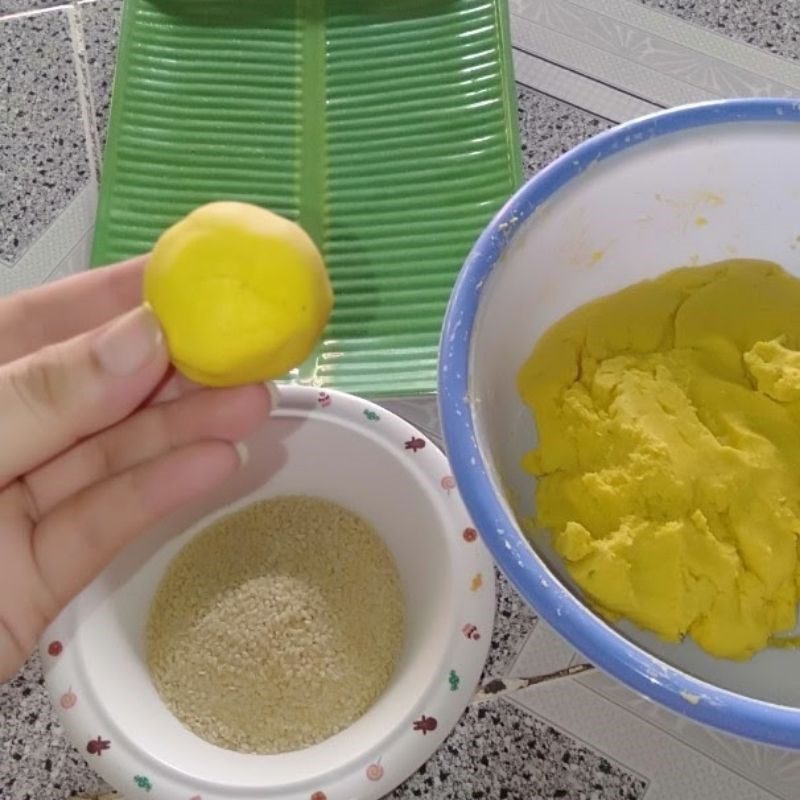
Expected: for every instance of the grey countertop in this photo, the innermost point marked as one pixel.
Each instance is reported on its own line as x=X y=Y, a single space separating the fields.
x=547 y=725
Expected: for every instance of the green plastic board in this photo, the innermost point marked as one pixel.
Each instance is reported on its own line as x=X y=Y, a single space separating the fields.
x=386 y=128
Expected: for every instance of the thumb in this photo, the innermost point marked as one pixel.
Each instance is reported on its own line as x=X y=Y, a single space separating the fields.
x=65 y=392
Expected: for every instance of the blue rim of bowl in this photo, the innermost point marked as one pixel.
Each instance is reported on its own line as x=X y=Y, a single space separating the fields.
x=564 y=611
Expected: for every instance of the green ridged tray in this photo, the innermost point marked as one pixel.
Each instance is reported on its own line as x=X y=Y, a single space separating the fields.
x=387 y=128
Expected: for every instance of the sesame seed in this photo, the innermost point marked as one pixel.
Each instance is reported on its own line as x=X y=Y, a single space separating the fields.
x=277 y=626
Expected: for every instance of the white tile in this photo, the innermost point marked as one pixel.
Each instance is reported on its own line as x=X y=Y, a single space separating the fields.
x=62 y=249
x=544 y=652
x=673 y=770
x=772 y=768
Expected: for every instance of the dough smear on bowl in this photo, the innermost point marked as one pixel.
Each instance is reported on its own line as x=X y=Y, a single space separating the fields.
x=668 y=462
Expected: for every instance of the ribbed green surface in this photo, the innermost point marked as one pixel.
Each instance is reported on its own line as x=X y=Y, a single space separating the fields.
x=390 y=135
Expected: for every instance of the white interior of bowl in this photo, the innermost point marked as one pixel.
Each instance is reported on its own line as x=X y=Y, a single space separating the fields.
x=322 y=456
x=631 y=217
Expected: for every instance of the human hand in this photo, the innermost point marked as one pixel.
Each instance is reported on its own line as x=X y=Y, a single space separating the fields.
x=98 y=440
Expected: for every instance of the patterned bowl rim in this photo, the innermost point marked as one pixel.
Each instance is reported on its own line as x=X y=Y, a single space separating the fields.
x=723 y=709
x=428 y=717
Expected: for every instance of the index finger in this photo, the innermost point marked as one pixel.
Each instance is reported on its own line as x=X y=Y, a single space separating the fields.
x=51 y=313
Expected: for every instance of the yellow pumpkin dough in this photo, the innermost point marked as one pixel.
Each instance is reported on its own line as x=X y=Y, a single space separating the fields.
x=668 y=461
x=241 y=293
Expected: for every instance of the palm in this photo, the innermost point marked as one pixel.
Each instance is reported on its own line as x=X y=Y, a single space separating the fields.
x=76 y=486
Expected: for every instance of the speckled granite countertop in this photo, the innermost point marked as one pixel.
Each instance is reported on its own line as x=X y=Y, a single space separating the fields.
x=546 y=724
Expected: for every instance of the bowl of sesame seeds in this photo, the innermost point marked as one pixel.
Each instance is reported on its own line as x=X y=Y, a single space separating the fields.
x=311 y=631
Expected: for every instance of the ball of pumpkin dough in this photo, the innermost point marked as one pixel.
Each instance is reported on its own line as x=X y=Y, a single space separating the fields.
x=241 y=293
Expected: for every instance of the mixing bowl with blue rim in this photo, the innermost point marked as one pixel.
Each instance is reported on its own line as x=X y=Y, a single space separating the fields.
x=615 y=210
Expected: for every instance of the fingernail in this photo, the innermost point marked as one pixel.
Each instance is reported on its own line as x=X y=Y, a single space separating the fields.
x=274 y=395
x=129 y=343
x=243 y=452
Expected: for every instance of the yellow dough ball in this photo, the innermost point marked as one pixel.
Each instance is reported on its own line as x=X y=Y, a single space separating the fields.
x=241 y=293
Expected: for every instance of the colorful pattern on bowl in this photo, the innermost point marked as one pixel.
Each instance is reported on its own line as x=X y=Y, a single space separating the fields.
x=132 y=765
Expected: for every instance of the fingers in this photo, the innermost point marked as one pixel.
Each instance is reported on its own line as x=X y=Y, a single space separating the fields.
x=70 y=390
x=174 y=386
x=226 y=414
x=78 y=538
x=22 y=614
x=57 y=311
x=13 y=651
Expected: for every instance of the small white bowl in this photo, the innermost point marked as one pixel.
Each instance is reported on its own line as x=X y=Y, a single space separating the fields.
x=691 y=185
x=324 y=444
